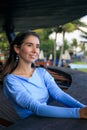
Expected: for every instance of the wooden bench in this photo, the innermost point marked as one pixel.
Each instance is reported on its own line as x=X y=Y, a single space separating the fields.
x=61 y=80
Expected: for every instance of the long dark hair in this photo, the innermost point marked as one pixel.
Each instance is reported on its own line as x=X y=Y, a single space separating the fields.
x=12 y=61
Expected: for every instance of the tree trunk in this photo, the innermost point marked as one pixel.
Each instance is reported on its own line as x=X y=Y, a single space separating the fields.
x=61 y=52
x=54 y=61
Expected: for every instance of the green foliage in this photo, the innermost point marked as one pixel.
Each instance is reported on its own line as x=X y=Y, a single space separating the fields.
x=69 y=27
x=47 y=47
x=66 y=45
x=74 y=42
x=59 y=29
x=57 y=54
x=82 y=46
x=85 y=53
x=44 y=33
x=78 y=23
x=3 y=42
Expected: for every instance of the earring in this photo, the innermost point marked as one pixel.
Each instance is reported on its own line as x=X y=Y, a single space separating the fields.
x=17 y=58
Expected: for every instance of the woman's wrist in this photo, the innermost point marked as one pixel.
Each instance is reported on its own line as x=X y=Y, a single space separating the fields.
x=83 y=113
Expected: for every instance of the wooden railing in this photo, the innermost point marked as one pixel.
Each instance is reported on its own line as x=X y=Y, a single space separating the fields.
x=61 y=80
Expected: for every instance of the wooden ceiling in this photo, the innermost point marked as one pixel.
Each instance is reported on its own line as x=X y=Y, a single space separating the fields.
x=33 y=14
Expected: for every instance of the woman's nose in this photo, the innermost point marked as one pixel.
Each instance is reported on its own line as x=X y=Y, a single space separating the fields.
x=34 y=49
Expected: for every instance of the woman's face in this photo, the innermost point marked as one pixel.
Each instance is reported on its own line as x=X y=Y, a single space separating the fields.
x=29 y=50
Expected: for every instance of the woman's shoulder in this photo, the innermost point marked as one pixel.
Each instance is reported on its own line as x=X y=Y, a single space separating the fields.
x=41 y=69
x=9 y=77
x=11 y=80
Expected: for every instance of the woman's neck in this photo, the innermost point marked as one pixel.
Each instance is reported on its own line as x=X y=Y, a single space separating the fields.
x=23 y=70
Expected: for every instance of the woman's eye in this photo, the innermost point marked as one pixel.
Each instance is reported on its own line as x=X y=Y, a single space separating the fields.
x=38 y=46
x=29 y=44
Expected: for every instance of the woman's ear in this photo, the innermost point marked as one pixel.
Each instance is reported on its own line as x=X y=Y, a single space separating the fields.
x=16 y=49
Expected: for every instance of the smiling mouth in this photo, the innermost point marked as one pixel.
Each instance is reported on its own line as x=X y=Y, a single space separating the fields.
x=33 y=57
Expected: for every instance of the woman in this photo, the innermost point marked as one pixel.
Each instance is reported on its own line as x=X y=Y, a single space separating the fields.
x=29 y=88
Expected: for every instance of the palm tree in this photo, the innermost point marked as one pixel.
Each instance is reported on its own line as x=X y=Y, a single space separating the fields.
x=54 y=61
x=74 y=44
x=70 y=27
x=56 y=30
x=54 y=52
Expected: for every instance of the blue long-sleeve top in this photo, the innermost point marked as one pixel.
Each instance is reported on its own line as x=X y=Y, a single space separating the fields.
x=30 y=96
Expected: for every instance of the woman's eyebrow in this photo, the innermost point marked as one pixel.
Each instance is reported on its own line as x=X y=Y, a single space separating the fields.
x=28 y=43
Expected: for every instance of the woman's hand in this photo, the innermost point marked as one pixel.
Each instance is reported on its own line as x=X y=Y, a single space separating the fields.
x=83 y=113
